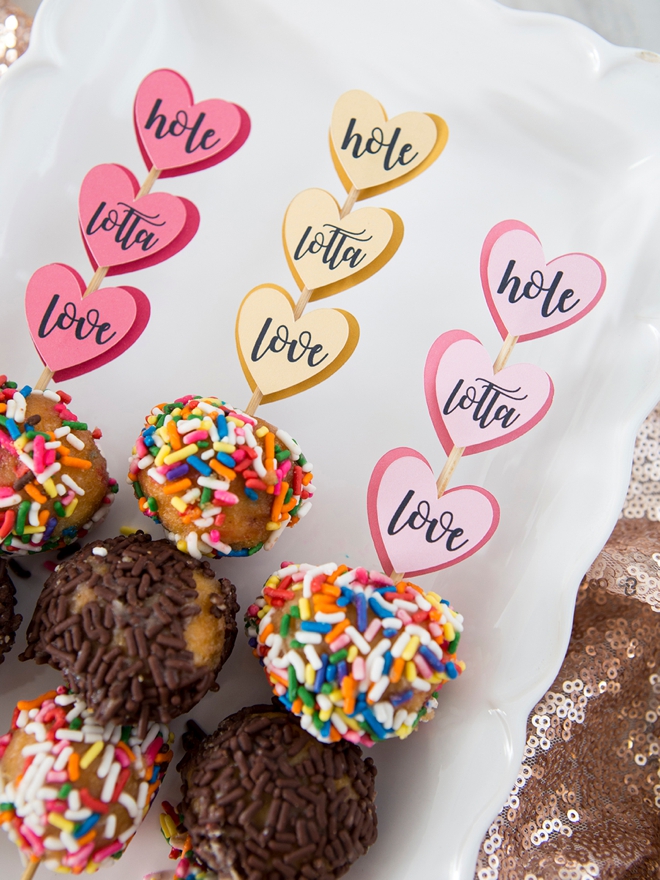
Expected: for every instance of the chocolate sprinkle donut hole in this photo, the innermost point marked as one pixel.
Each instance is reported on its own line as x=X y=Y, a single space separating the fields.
x=138 y=628
x=9 y=621
x=263 y=800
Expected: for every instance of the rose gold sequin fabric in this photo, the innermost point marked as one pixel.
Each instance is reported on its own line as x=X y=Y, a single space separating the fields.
x=586 y=802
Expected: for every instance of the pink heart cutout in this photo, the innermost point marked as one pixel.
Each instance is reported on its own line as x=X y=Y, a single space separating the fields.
x=473 y=407
x=118 y=229
x=465 y=517
x=513 y=266
x=178 y=136
x=75 y=336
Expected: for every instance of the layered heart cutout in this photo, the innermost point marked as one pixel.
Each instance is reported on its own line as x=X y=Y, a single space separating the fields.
x=374 y=154
x=528 y=297
x=282 y=356
x=75 y=335
x=413 y=530
x=473 y=407
x=327 y=254
x=120 y=230
x=178 y=136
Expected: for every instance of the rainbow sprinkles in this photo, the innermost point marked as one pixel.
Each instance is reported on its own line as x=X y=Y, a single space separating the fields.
x=221 y=482
x=73 y=793
x=50 y=464
x=350 y=652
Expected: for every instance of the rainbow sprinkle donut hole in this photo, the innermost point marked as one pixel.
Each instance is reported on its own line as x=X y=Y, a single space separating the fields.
x=74 y=792
x=54 y=484
x=222 y=483
x=354 y=655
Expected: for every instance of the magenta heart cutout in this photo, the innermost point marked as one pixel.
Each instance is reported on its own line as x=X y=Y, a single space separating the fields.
x=75 y=335
x=413 y=530
x=178 y=136
x=528 y=297
x=119 y=229
x=473 y=407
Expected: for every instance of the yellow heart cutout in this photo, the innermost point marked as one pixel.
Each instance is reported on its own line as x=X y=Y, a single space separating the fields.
x=282 y=356
x=374 y=154
x=327 y=254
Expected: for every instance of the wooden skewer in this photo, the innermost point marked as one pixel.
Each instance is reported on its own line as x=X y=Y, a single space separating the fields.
x=305 y=293
x=150 y=179
x=30 y=869
x=351 y=199
x=97 y=279
x=98 y=276
x=450 y=466
x=457 y=451
x=397 y=576
x=255 y=400
x=44 y=379
x=505 y=353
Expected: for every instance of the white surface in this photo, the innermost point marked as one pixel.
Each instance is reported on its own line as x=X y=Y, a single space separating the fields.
x=548 y=124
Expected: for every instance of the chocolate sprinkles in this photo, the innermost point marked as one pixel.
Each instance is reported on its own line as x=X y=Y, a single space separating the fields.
x=263 y=800
x=114 y=624
x=9 y=622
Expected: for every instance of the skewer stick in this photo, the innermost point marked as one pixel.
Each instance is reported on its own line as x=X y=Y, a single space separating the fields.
x=457 y=451
x=31 y=869
x=351 y=199
x=505 y=353
x=303 y=301
x=255 y=400
x=305 y=293
x=149 y=181
x=94 y=284
x=44 y=379
x=449 y=468
x=397 y=577
x=97 y=280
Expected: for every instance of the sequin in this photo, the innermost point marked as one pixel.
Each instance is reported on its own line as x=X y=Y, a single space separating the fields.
x=586 y=799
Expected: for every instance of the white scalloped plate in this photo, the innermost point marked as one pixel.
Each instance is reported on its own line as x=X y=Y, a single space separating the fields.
x=549 y=124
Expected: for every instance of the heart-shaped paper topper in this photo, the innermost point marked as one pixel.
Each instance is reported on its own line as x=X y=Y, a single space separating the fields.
x=413 y=530
x=374 y=154
x=178 y=136
x=282 y=356
x=126 y=233
x=473 y=407
x=528 y=297
x=75 y=335
x=327 y=254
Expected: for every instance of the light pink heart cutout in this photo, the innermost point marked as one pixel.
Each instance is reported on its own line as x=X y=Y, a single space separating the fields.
x=473 y=407
x=178 y=136
x=121 y=231
x=75 y=336
x=404 y=512
x=547 y=297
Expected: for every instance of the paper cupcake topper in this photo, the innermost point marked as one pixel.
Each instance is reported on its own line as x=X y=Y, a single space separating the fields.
x=331 y=248
x=74 y=336
x=528 y=297
x=413 y=530
x=120 y=230
x=327 y=254
x=177 y=136
x=125 y=227
x=475 y=408
x=373 y=154
x=282 y=356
